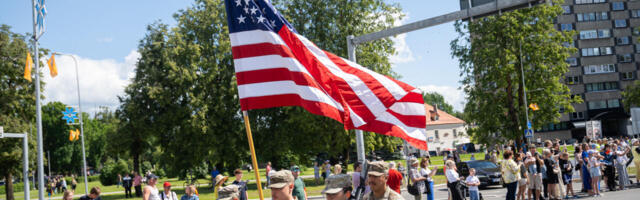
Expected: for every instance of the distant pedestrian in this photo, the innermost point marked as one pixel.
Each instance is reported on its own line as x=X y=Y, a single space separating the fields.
x=327 y=169
x=214 y=173
x=316 y=172
x=510 y=174
x=189 y=193
x=267 y=171
x=137 y=184
x=417 y=180
x=127 y=183
x=93 y=195
x=64 y=184
x=119 y=181
x=338 y=187
x=522 y=182
x=453 y=180
x=167 y=194
x=395 y=178
x=74 y=183
x=299 y=189
x=472 y=183
x=429 y=173
x=242 y=185
x=567 y=174
x=337 y=169
x=150 y=192
x=219 y=184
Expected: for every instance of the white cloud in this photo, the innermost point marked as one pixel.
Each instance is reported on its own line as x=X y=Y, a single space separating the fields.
x=105 y=39
x=452 y=95
x=404 y=54
x=101 y=81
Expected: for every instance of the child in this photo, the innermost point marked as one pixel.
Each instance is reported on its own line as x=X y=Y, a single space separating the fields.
x=473 y=182
x=594 y=171
x=567 y=174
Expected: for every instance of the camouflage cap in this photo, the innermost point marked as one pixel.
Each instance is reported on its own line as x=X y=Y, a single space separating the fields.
x=378 y=168
x=228 y=192
x=280 y=179
x=335 y=183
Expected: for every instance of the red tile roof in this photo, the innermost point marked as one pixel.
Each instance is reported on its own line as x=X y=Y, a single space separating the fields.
x=443 y=117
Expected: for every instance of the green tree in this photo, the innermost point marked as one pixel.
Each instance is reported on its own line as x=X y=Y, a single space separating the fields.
x=96 y=130
x=64 y=156
x=17 y=104
x=491 y=52
x=435 y=98
x=631 y=95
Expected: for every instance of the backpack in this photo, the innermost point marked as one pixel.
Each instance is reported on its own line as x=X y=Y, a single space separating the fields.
x=413 y=189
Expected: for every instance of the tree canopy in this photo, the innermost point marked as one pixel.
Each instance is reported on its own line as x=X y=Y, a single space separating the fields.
x=493 y=50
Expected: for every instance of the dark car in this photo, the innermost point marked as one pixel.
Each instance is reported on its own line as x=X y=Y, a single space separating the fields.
x=486 y=171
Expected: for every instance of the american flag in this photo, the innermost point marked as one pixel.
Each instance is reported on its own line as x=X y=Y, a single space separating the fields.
x=275 y=66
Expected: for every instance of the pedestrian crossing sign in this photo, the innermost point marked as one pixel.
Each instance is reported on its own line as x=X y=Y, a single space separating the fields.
x=528 y=133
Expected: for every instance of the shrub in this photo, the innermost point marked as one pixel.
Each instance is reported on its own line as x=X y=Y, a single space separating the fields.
x=110 y=171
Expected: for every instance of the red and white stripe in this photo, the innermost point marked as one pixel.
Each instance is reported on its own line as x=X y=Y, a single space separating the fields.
x=286 y=69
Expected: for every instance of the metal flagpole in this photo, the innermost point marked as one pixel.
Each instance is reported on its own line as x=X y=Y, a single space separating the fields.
x=38 y=107
x=253 y=152
x=351 y=48
x=25 y=165
x=84 y=158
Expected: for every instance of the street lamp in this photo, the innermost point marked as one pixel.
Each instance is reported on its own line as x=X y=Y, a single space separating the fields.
x=84 y=158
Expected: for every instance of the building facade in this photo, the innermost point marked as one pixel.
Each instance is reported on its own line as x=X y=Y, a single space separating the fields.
x=604 y=65
x=444 y=132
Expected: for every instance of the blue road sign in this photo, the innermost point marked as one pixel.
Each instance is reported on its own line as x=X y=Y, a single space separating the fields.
x=528 y=133
x=528 y=124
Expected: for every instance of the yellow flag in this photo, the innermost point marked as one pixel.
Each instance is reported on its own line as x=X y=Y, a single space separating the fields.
x=27 y=67
x=534 y=106
x=73 y=135
x=53 y=70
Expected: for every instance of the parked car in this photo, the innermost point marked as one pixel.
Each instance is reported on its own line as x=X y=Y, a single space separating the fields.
x=487 y=172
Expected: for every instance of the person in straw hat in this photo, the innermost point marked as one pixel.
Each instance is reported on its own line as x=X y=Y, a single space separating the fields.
x=337 y=187
x=220 y=180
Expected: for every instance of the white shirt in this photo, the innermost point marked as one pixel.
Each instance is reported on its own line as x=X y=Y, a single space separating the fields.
x=171 y=196
x=452 y=176
x=473 y=179
x=621 y=159
x=425 y=172
x=153 y=195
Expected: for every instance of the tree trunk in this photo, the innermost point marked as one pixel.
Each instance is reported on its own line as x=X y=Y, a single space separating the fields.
x=345 y=159
x=8 y=189
x=512 y=114
x=136 y=162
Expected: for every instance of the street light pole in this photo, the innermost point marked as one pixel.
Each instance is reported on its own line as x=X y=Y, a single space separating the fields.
x=524 y=90
x=84 y=157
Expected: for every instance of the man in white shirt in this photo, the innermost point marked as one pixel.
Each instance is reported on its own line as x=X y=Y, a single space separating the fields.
x=473 y=182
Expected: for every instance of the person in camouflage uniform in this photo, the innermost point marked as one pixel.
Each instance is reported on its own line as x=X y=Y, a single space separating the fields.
x=377 y=176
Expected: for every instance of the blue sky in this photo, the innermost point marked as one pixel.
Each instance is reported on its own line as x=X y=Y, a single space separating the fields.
x=104 y=36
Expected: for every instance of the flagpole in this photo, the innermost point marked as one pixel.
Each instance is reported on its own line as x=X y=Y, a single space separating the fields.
x=38 y=107
x=247 y=126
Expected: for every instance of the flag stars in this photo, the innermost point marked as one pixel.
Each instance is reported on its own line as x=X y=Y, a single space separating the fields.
x=253 y=10
x=238 y=2
x=246 y=2
x=273 y=23
x=241 y=19
x=261 y=19
x=246 y=10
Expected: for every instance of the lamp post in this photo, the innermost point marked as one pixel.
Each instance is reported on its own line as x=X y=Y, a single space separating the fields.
x=84 y=158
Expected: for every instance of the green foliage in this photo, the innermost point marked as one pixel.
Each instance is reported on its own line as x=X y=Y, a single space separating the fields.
x=110 y=171
x=435 y=98
x=491 y=54
x=631 y=96
x=184 y=99
x=64 y=155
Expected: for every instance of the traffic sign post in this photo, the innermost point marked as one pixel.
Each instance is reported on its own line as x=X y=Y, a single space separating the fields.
x=25 y=157
x=528 y=133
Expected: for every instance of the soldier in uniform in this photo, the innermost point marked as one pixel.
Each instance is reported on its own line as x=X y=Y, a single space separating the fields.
x=281 y=185
x=338 y=187
x=377 y=176
x=229 y=192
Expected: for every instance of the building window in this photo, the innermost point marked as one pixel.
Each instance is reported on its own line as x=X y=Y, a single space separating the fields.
x=455 y=133
x=593 y=34
x=613 y=103
x=594 y=16
x=637 y=48
x=572 y=61
x=597 y=105
x=571 y=80
x=594 y=87
x=623 y=41
x=601 y=51
x=625 y=58
x=635 y=31
x=566 y=27
x=635 y=13
x=566 y=10
x=436 y=134
x=599 y=69
x=576 y=115
x=627 y=76
x=620 y=23
x=590 y=1
x=617 y=6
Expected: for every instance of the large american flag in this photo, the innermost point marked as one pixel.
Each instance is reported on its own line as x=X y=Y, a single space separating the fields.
x=277 y=67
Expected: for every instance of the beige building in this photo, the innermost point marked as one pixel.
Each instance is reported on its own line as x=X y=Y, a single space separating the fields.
x=444 y=132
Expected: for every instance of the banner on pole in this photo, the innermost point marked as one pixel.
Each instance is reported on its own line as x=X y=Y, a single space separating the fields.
x=71 y=116
x=594 y=129
x=41 y=12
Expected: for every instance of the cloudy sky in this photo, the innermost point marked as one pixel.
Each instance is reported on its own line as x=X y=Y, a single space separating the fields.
x=104 y=35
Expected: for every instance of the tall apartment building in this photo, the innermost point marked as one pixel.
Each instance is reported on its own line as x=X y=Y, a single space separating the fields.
x=604 y=65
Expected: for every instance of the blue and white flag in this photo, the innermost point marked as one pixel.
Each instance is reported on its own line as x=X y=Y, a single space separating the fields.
x=41 y=12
